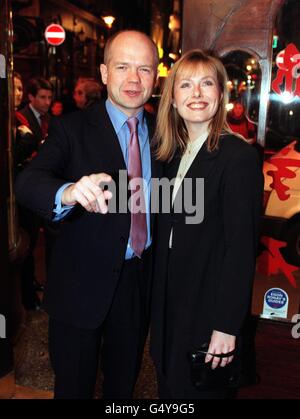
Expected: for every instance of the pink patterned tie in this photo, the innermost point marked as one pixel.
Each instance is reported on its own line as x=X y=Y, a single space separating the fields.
x=138 y=229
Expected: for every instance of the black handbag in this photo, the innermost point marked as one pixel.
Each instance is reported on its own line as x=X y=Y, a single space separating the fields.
x=205 y=378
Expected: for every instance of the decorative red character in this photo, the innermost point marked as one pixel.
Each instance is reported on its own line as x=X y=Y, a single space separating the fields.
x=288 y=63
x=271 y=262
x=282 y=172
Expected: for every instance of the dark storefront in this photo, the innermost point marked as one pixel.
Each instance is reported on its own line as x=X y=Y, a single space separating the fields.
x=259 y=44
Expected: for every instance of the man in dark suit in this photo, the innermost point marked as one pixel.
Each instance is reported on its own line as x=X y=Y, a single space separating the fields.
x=35 y=118
x=40 y=93
x=99 y=275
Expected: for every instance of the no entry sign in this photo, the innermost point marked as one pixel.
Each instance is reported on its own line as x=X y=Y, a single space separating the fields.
x=55 y=34
x=280 y=59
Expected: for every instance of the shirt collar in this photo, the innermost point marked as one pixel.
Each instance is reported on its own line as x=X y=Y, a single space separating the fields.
x=118 y=118
x=200 y=140
x=36 y=113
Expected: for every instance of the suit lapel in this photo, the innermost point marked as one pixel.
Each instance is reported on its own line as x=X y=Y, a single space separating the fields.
x=201 y=167
x=155 y=165
x=33 y=122
x=104 y=139
x=173 y=166
x=203 y=163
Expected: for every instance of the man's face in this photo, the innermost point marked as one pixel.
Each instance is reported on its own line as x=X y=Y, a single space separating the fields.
x=79 y=96
x=131 y=72
x=42 y=101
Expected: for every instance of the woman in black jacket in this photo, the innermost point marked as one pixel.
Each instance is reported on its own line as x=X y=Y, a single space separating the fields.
x=206 y=243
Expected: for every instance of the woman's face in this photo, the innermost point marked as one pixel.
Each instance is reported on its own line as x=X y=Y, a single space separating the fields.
x=197 y=96
x=18 y=91
x=238 y=110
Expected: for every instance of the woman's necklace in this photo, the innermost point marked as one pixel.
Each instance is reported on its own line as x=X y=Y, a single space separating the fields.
x=186 y=159
x=189 y=155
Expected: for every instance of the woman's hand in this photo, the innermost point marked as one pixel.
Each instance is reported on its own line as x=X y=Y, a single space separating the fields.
x=220 y=343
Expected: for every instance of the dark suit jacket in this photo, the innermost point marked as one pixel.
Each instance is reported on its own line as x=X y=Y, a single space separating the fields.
x=33 y=122
x=88 y=254
x=27 y=145
x=208 y=283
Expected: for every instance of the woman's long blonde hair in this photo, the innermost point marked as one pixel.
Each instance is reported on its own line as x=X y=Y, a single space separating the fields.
x=171 y=132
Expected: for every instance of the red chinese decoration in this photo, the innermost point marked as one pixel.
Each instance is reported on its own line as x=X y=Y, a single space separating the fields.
x=271 y=262
x=288 y=63
x=282 y=172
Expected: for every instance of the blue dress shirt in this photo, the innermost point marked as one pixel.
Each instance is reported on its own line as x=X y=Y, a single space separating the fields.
x=118 y=120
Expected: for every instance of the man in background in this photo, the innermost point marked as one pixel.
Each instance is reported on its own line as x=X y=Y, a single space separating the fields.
x=40 y=93
x=86 y=92
x=34 y=116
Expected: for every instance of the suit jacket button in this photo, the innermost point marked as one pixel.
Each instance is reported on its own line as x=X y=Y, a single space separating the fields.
x=122 y=239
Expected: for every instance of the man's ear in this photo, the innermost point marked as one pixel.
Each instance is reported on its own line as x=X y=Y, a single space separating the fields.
x=30 y=97
x=103 y=71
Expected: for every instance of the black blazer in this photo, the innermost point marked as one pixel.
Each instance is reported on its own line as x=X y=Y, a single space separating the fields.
x=33 y=122
x=205 y=283
x=88 y=254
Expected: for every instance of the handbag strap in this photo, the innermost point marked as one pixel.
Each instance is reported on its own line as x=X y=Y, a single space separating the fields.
x=227 y=355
